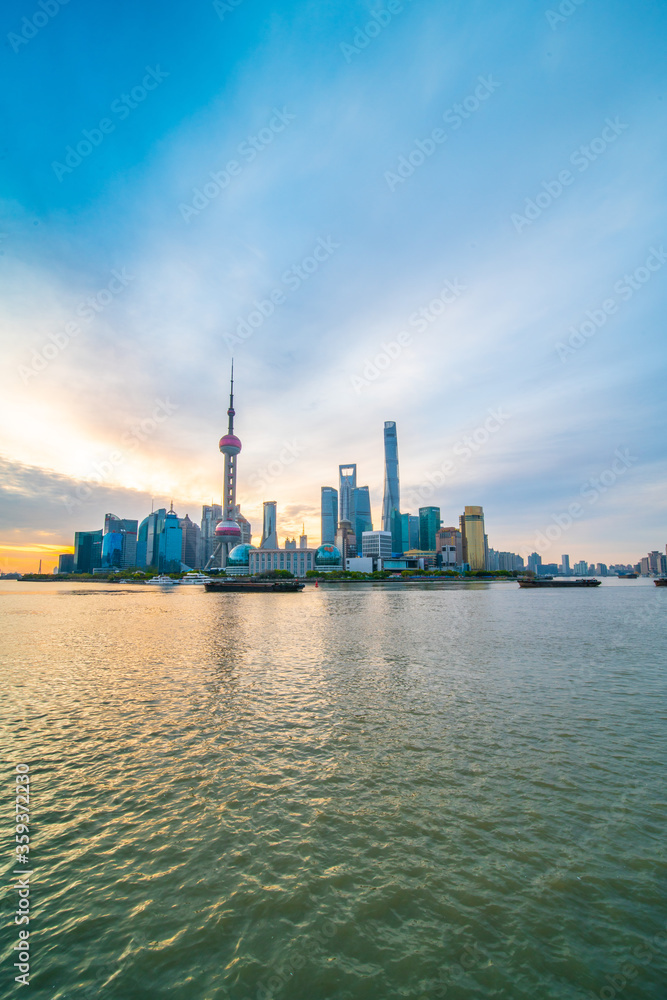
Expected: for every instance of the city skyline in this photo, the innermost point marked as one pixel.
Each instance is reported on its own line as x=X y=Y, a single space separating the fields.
x=470 y=247
x=546 y=541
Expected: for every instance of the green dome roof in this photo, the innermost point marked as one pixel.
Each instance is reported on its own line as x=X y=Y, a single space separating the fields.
x=239 y=556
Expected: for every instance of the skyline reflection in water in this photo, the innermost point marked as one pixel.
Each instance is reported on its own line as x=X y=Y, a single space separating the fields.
x=353 y=792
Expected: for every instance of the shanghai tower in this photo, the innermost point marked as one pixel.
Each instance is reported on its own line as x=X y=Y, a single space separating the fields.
x=392 y=497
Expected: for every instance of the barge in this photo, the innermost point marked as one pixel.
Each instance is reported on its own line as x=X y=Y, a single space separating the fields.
x=538 y=584
x=231 y=586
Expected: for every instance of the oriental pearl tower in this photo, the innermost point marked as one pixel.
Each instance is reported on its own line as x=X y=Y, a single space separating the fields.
x=227 y=531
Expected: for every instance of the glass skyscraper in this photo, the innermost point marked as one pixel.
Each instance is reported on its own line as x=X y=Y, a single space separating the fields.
x=160 y=541
x=119 y=544
x=329 y=514
x=362 y=519
x=347 y=475
x=429 y=525
x=171 y=544
x=392 y=498
x=270 y=525
x=87 y=550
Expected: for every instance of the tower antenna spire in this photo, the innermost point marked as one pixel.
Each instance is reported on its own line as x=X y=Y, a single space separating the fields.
x=230 y=411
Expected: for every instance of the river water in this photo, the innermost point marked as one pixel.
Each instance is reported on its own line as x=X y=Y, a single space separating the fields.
x=353 y=793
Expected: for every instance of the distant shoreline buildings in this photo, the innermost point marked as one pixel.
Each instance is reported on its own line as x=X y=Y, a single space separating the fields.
x=167 y=543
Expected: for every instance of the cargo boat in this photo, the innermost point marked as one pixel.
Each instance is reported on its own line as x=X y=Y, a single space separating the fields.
x=532 y=584
x=661 y=581
x=254 y=586
x=627 y=576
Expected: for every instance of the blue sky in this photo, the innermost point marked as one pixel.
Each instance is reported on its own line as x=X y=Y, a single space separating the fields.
x=317 y=106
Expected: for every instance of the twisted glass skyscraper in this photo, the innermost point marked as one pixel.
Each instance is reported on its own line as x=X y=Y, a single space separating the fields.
x=392 y=494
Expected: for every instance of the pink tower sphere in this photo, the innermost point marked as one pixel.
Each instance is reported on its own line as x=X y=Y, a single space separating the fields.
x=230 y=444
x=227 y=529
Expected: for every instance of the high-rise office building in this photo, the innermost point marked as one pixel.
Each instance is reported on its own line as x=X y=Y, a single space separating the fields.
x=152 y=527
x=450 y=539
x=87 y=550
x=160 y=543
x=429 y=523
x=347 y=475
x=376 y=543
x=400 y=533
x=392 y=499
x=473 y=539
x=170 y=544
x=244 y=524
x=190 y=544
x=119 y=543
x=66 y=562
x=565 y=566
x=534 y=562
x=303 y=538
x=413 y=530
x=329 y=514
x=211 y=514
x=346 y=542
x=654 y=562
x=362 y=520
x=270 y=525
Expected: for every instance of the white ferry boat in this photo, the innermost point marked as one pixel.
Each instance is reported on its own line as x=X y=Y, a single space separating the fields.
x=194 y=577
x=162 y=581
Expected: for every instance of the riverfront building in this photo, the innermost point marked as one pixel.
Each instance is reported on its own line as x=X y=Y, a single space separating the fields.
x=429 y=524
x=295 y=561
x=66 y=562
x=87 y=550
x=474 y=540
x=377 y=544
x=119 y=543
x=270 y=526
